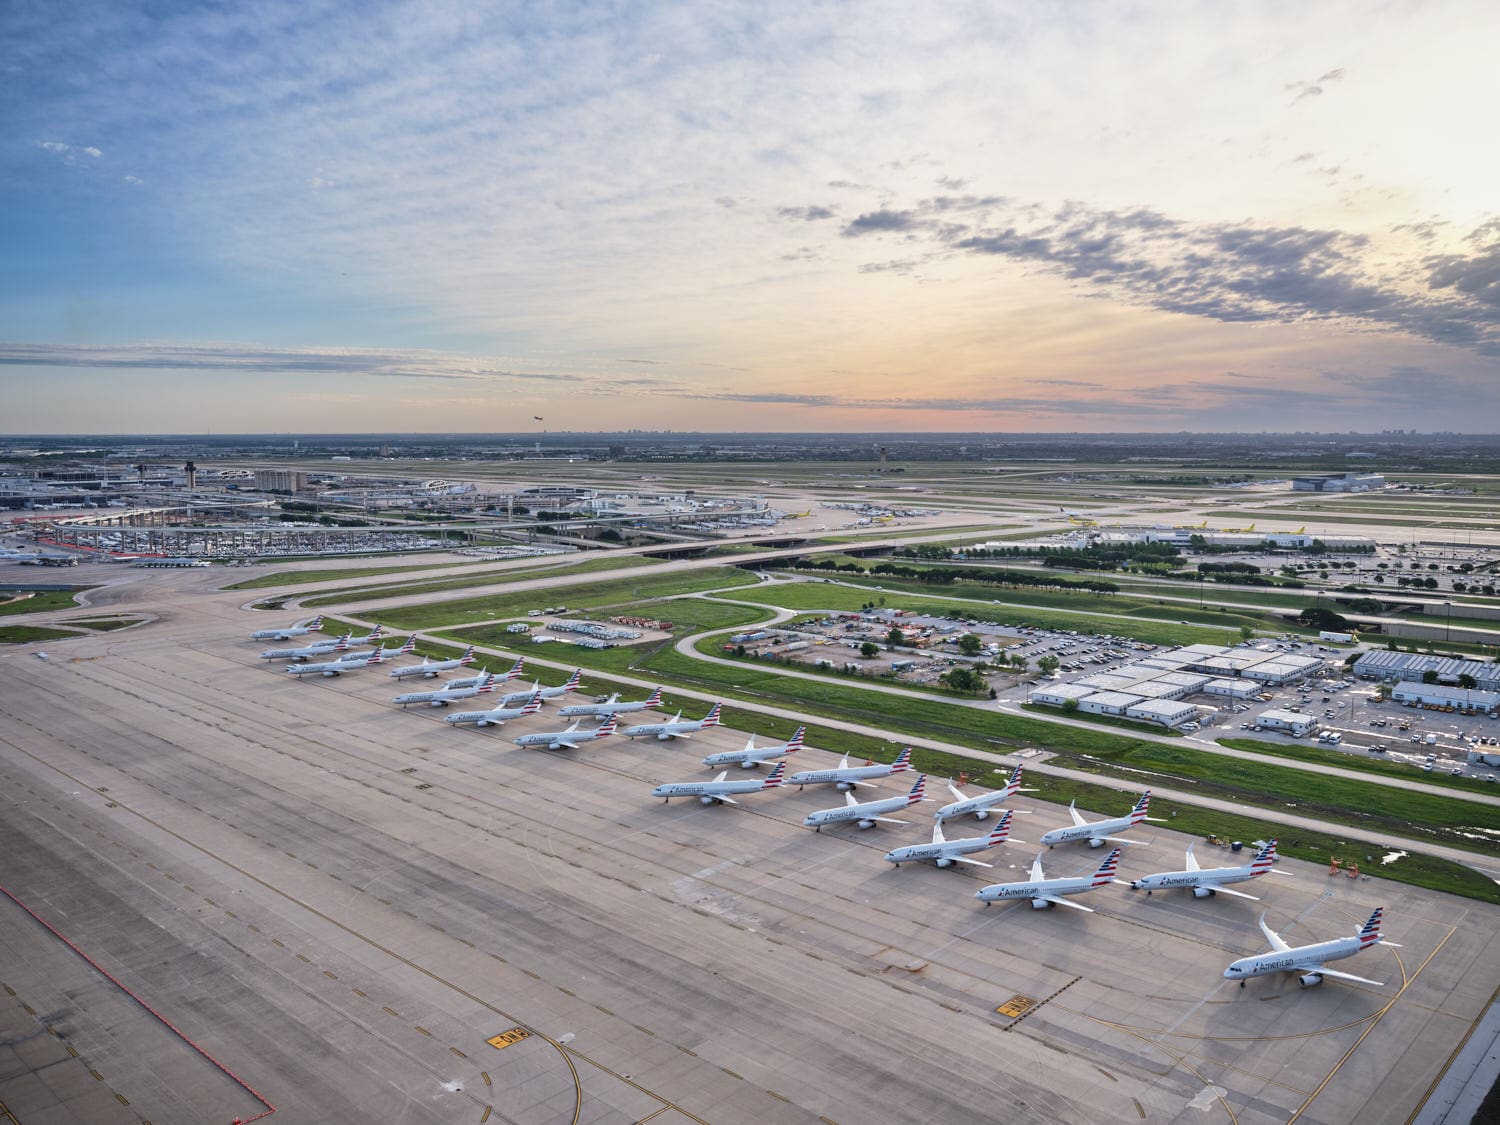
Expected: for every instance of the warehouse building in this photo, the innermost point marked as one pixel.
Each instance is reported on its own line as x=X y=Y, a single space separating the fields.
x=1445 y=695
x=1169 y=713
x=1107 y=703
x=1342 y=482
x=1412 y=666
x=1293 y=722
x=1055 y=695
x=1234 y=689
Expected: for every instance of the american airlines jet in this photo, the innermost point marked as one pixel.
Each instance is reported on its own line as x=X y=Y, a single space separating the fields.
x=612 y=706
x=847 y=777
x=496 y=715
x=1098 y=831
x=866 y=814
x=1308 y=960
x=433 y=667
x=385 y=653
x=676 y=727
x=1044 y=892
x=370 y=638
x=441 y=697
x=289 y=632
x=752 y=755
x=307 y=652
x=333 y=667
x=981 y=805
x=568 y=739
x=1206 y=882
x=718 y=791
x=945 y=852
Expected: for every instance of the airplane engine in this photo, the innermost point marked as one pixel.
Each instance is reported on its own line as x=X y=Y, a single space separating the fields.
x=1203 y=892
x=437 y=703
x=866 y=823
x=1095 y=842
x=481 y=722
x=1310 y=980
x=844 y=786
x=748 y=765
x=1038 y=904
x=944 y=861
x=705 y=799
x=981 y=814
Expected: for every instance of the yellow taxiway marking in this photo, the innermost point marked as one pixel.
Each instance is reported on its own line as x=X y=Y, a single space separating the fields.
x=506 y=1038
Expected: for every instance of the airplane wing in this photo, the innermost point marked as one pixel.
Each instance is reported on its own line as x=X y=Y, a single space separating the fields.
x=1118 y=840
x=1036 y=869
x=1273 y=937
x=1236 y=894
x=1056 y=901
x=1314 y=967
x=850 y=798
x=561 y=742
x=958 y=794
x=886 y=819
x=937 y=833
x=966 y=859
x=1078 y=820
x=726 y=800
x=1192 y=860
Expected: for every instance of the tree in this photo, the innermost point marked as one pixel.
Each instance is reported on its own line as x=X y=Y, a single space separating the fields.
x=1070 y=705
x=895 y=636
x=1430 y=676
x=1467 y=682
x=869 y=650
x=1018 y=662
x=1049 y=664
x=970 y=644
x=1246 y=632
x=965 y=680
x=1316 y=617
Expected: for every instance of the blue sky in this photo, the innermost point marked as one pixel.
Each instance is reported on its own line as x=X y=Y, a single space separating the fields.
x=432 y=216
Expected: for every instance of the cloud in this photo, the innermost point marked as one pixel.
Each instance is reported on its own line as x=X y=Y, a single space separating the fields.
x=69 y=153
x=807 y=214
x=880 y=221
x=1315 y=87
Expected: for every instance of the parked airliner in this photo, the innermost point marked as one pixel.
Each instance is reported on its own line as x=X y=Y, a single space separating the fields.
x=318 y=648
x=433 y=667
x=981 y=805
x=847 y=777
x=1044 y=892
x=718 y=791
x=289 y=632
x=1206 y=882
x=1308 y=960
x=570 y=738
x=612 y=706
x=1098 y=831
x=752 y=755
x=496 y=715
x=333 y=667
x=676 y=727
x=441 y=697
x=945 y=852
x=866 y=814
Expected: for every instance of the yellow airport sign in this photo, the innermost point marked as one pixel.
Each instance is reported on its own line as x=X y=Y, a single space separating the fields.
x=506 y=1038
x=1016 y=1006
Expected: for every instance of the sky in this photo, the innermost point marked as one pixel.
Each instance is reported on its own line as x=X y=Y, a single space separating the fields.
x=323 y=216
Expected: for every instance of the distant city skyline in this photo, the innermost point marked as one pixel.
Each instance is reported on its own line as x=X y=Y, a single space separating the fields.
x=388 y=218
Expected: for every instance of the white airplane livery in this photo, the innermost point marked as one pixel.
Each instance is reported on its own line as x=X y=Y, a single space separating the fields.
x=1207 y=882
x=676 y=727
x=1308 y=960
x=981 y=805
x=334 y=667
x=499 y=678
x=441 y=697
x=1044 y=892
x=385 y=653
x=307 y=652
x=752 y=755
x=612 y=706
x=495 y=716
x=568 y=739
x=945 y=852
x=847 y=777
x=718 y=791
x=866 y=814
x=370 y=638
x=1098 y=831
x=433 y=667
x=289 y=632
x=537 y=689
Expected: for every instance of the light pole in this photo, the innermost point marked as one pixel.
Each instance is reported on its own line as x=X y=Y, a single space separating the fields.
x=1447 y=620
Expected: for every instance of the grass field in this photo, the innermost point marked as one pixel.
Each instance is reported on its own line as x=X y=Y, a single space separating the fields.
x=40 y=602
x=1363 y=762
x=354 y=594
x=25 y=634
x=103 y=624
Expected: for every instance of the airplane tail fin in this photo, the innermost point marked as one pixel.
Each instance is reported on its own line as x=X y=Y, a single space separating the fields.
x=654 y=699
x=795 y=742
x=712 y=718
x=609 y=728
x=775 y=777
x=574 y=680
x=409 y=646
x=1001 y=830
x=516 y=668
x=1138 y=813
x=533 y=705
x=316 y=623
x=376 y=657
x=342 y=643
x=468 y=656
x=377 y=632
x=918 y=791
x=903 y=761
x=1107 y=869
x=1369 y=933
x=1264 y=858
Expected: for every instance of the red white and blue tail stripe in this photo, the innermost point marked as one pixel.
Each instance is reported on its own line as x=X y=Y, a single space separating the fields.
x=1107 y=869
x=918 y=791
x=608 y=728
x=795 y=742
x=1369 y=933
x=316 y=623
x=1001 y=831
x=486 y=684
x=516 y=668
x=654 y=699
x=574 y=680
x=468 y=656
x=1138 y=813
x=1264 y=858
x=533 y=705
x=409 y=646
x=712 y=718
x=775 y=777
x=903 y=761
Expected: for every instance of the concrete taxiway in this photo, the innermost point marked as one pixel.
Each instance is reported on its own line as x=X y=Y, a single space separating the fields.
x=365 y=914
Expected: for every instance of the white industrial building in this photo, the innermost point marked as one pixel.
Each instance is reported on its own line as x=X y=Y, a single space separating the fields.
x=1293 y=722
x=1169 y=713
x=1411 y=666
x=1343 y=482
x=1445 y=695
x=1107 y=702
x=1055 y=695
x=1234 y=689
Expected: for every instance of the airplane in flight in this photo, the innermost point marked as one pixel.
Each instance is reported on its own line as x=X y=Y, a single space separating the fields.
x=676 y=727
x=717 y=791
x=612 y=706
x=570 y=738
x=334 y=667
x=1206 y=882
x=945 y=852
x=1044 y=892
x=980 y=806
x=752 y=755
x=441 y=697
x=496 y=715
x=846 y=776
x=306 y=652
x=1307 y=961
x=1098 y=831
x=433 y=667
x=866 y=814
x=289 y=632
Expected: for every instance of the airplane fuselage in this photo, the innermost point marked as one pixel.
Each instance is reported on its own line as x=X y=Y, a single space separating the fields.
x=747 y=759
x=706 y=791
x=1297 y=959
x=602 y=710
x=862 y=813
x=485 y=718
x=843 y=777
x=428 y=669
x=937 y=852
x=663 y=730
x=1212 y=877
x=1093 y=833
x=1000 y=891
